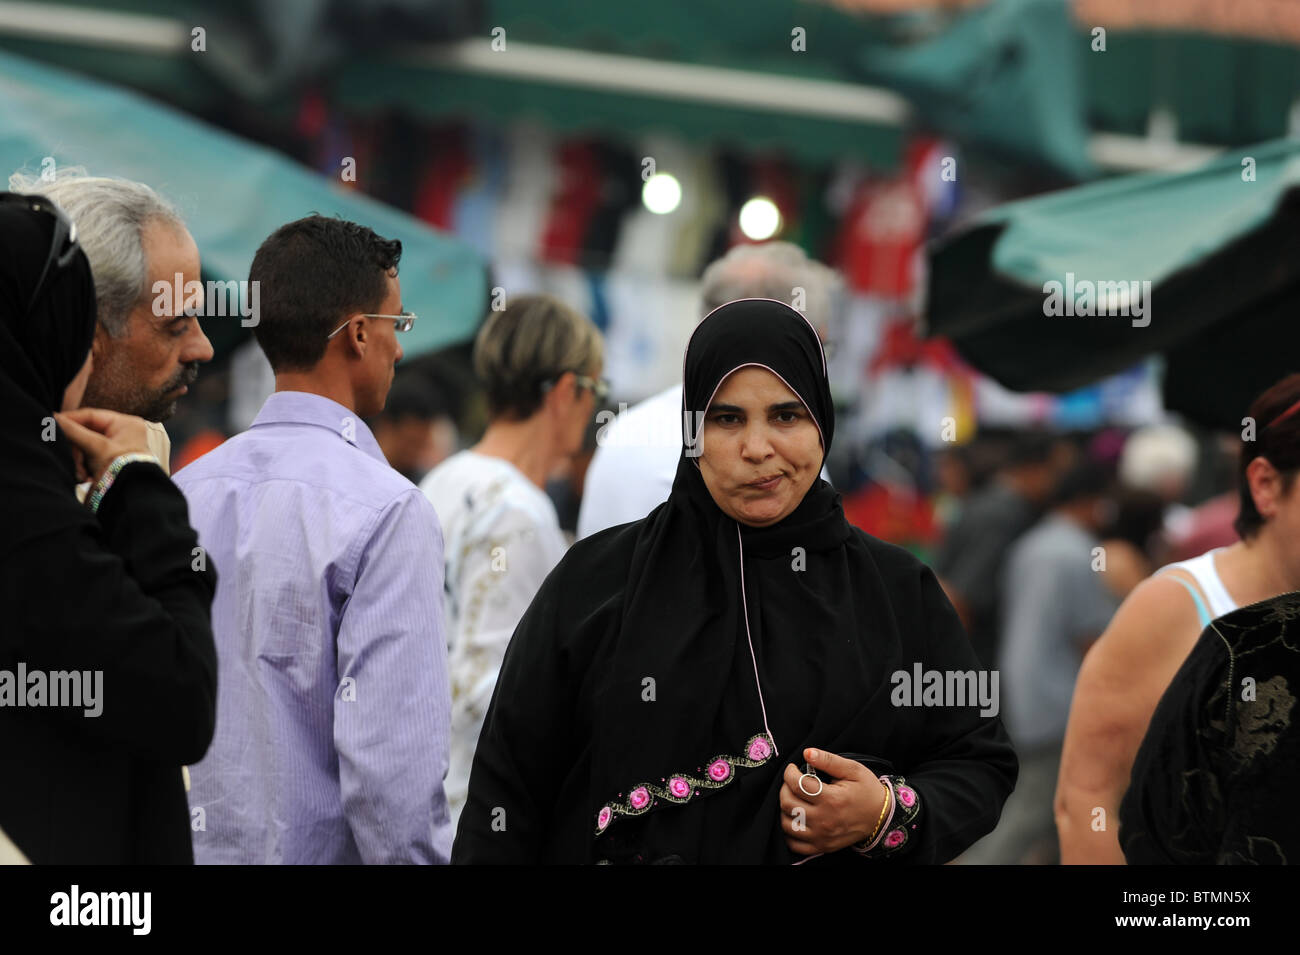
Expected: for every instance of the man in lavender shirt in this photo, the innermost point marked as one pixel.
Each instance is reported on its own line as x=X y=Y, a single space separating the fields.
x=333 y=702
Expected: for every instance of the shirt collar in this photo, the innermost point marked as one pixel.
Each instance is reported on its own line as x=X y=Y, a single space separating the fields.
x=301 y=407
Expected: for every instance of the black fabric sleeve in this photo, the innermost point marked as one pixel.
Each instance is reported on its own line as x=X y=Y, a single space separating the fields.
x=962 y=765
x=521 y=753
x=127 y=595
x=1175 y=798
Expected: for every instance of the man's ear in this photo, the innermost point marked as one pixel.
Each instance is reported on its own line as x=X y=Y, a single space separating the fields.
x=358 y=338
x=102 y=342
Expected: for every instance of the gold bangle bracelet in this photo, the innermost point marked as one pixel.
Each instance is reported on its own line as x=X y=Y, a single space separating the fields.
x=876 y=831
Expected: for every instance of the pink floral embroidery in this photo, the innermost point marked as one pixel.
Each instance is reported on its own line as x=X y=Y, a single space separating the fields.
x=906 y=796
x=895 y=839
x=685 y=787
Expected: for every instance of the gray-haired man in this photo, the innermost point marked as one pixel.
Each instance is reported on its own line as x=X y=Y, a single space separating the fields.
x=634 y=466
x=147 y=351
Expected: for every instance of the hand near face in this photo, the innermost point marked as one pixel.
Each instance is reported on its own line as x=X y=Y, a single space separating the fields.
x=99 y=436
x=845 y=812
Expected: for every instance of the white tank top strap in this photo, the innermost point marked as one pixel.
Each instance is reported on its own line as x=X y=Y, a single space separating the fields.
x=1207 y=578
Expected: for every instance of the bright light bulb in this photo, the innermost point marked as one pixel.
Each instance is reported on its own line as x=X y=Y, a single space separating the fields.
x=662 y=193
x=759 y=218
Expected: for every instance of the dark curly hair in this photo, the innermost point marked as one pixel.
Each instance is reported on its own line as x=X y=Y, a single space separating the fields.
x=312 y=274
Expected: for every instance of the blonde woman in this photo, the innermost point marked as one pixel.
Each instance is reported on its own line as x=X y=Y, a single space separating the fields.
x=540 y=362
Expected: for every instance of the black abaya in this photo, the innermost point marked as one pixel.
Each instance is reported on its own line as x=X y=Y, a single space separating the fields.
x=631 y=721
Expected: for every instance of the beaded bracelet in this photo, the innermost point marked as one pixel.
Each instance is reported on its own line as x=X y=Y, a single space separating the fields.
x=905 y=807
x=110 y=474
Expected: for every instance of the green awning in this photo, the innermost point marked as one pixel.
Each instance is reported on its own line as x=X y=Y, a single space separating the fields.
x=232 y=193
x=1003 y=78
x=824 y=84
x=1219 y=247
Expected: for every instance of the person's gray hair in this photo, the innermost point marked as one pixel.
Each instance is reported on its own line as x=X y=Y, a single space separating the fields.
x=110 y=215
x=774 y=270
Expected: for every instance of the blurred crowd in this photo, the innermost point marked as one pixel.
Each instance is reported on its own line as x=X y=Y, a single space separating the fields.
x=1083 y=566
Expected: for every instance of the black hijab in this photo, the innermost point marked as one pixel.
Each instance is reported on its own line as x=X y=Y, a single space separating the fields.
x=41 y=351
x=685 y=626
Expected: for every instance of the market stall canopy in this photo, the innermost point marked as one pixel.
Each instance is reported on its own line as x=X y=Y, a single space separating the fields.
x=232 y=194
x=807 y=79
x=1203 y=267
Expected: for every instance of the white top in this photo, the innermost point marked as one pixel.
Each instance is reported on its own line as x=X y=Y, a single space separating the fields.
x=635 y=463
x=502 y=537
x=1207 y=578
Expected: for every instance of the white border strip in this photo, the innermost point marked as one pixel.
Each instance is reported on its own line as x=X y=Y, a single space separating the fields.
x=670 y=80
x=92 y=27
x=1136 y=154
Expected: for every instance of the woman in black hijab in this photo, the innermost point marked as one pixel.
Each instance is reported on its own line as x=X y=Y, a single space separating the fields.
x=671 y=675
x=107 y=665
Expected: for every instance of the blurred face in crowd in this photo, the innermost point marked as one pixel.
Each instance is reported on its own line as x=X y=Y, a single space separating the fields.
x=146 y=371
x=383 y=352
x=570 y=406
x=584 y=408
x=760 y=449
x=953 y=474
x=1038 y=480
x=413 y=445
x=76 y=389
x=1095 y=512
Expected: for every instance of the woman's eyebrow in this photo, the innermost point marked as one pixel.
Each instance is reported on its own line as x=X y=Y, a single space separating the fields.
x=736 y=409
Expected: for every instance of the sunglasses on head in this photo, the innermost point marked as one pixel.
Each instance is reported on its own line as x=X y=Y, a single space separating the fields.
x=63 y=244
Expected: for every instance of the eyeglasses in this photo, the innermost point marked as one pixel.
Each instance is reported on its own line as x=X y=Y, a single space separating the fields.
x=63 y=244
x=599 y=386
x=403 y=322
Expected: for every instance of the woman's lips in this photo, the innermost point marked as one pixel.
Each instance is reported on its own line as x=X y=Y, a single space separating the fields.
x=768 y=485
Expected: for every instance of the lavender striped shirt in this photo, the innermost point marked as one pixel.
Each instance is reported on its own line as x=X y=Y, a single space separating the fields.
x=332 y=694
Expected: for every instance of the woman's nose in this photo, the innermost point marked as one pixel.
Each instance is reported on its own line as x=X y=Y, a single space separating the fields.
x=755 y=445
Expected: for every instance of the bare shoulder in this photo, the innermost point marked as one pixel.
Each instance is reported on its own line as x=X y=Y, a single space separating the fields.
x=1122 y=679
x=1151 y=633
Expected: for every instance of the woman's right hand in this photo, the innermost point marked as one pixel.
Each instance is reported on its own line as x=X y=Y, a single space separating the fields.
x=100 y=436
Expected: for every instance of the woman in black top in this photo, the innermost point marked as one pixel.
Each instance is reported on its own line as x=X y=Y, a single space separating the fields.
x=113 y=602
x=660 y=697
